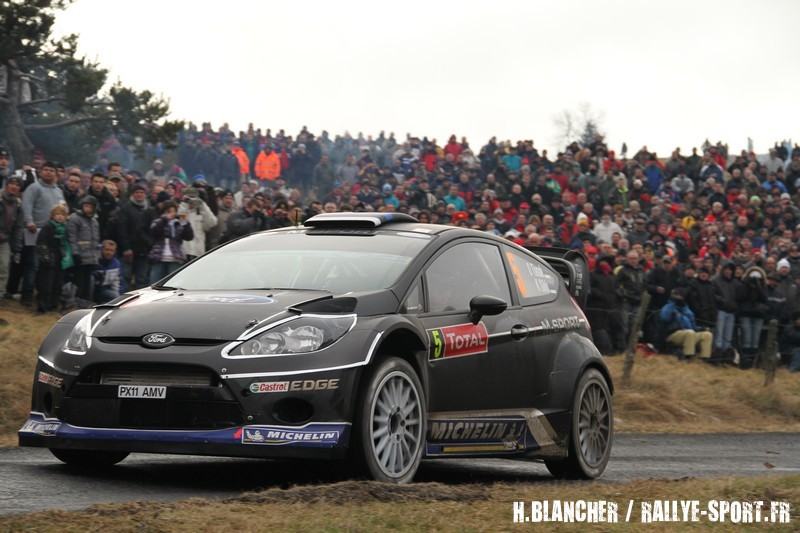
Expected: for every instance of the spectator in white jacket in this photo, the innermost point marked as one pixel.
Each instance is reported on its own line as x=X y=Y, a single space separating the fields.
x=200 y=217
x=604 y=229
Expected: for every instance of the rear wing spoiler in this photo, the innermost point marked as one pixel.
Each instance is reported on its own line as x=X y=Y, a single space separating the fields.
x=571 y=265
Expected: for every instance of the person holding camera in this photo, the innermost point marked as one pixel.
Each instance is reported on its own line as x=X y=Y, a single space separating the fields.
x=169 y=231
x=202 y=220
x=679 y=327
x=245 y=221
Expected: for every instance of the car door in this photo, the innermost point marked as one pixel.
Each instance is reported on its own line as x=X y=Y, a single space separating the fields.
x=471 y=366
x=538 y=289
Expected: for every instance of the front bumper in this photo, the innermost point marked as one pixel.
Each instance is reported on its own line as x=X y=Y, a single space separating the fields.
x=313 y=440
x=305 y=416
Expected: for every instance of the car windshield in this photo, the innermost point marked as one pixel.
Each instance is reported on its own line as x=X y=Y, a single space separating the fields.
x=337 y=263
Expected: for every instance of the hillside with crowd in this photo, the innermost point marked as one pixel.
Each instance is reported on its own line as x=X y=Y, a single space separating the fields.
x=712 y=236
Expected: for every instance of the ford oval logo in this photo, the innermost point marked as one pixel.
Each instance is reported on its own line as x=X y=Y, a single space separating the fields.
x=158 y=340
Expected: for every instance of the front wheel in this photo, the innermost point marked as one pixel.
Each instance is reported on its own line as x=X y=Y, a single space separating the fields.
x=592 y=431
x=391 y=422
x=89 y=458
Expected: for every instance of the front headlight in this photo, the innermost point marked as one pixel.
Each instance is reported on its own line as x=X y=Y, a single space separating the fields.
x=300 y=335
x=80 y=339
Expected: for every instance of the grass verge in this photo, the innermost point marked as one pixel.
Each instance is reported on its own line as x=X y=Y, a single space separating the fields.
x=371 y=506
x=21 y=332
x=665 y=395
x=668 y=396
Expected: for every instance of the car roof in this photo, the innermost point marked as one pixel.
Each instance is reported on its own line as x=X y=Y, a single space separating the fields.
x=387 y=223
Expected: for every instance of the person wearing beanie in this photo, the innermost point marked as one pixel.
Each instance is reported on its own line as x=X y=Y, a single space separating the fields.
x=700 y=297
x=10 y=230
x=54 y=255
x=726 y=289
x=83 y=231
x=752 y=308
x=678 y=328
x=603 y=302
x=630 y=279
x=134 y=240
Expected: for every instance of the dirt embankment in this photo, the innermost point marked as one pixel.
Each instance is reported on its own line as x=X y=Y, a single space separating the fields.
x=371 y=506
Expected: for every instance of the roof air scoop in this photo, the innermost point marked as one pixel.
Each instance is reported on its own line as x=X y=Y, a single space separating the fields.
x=357 y=220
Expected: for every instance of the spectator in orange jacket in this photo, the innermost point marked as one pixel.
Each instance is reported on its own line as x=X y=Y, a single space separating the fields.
x=241 y=156
x=268 y=165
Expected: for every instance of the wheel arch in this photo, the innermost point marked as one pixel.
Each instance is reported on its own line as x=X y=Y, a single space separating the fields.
x=401 y=338
x=575 y=354
x=599 y=365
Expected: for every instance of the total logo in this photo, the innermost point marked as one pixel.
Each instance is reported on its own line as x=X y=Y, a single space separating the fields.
x=305 y=385
x=458 y=340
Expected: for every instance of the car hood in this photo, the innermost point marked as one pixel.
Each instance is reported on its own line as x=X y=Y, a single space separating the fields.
x=187 y=315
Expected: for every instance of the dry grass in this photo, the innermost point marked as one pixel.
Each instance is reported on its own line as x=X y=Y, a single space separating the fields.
x=21 y=332
x=665 y=396
x=370 y=506
x=669 y=396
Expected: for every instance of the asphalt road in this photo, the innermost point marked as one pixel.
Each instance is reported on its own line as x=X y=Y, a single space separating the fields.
x=31 y=479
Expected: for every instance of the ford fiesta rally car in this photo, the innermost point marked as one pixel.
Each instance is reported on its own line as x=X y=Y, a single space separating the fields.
x=358 y=335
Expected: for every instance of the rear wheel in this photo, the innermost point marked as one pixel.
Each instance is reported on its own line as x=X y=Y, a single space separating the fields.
x=89 y=458
x=391 y=422
x=592 y=431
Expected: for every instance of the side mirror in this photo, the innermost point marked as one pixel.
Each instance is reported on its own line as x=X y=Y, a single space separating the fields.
x=485 y=305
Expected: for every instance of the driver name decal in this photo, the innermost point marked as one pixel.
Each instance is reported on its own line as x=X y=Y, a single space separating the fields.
x=458 y=341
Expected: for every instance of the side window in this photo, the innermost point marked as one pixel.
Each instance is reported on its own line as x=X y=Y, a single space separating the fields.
x=413 y=304
x=463 y=272
x=535 y=282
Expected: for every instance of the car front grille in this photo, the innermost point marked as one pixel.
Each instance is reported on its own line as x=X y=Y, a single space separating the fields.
x=185 y=377
x=196 y=398
x=175 y=375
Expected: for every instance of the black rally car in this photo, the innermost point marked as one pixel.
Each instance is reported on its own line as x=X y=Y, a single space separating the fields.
x=356 y=335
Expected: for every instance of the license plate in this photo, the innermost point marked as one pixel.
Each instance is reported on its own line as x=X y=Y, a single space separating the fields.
x=142 y=391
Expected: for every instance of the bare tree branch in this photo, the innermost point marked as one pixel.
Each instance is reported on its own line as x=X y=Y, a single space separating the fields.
x=42 y=101
x=64 y=123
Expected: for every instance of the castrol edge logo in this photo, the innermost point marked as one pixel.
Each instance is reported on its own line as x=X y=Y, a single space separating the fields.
x=458 y=341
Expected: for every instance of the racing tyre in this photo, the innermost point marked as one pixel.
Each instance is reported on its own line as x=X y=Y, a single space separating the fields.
x=592 y=431
x=390 y=422
x=89 y=458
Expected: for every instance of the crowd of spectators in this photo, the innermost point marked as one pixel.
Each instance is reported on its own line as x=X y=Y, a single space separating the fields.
x=714 y=237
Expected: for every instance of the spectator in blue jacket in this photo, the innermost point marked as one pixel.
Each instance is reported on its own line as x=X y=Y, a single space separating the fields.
x=108 y=279
x=655 y=177
x=773 y=182
x=679 y=327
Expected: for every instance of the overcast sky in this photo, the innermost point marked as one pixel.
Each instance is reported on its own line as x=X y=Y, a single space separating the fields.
x=661 y=73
